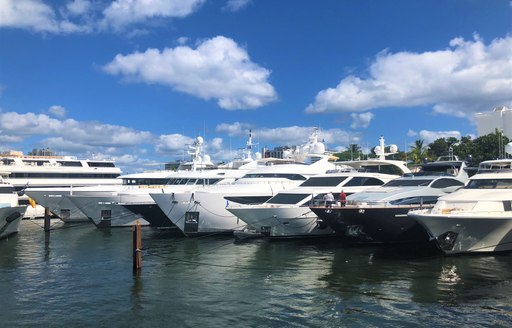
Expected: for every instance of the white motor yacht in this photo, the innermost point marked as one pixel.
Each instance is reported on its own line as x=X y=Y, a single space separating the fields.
x=476 y=218
x=379 y=216
x=50 y=171
x=58 y=199
x=205 y=211
x=124 y=207
x=287 y=214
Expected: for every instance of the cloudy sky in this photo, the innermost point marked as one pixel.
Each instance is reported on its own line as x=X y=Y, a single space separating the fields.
x=137 y=80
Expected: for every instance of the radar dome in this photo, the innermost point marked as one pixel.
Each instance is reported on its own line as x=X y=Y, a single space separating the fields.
x=393 y=148
x=199 y=140
x=257 y=155
x=377 y=150
x=318 y=148
x=287 y=153
x=207 y=159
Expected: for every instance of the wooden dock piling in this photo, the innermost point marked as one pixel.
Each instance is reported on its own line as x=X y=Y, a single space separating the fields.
x=137 y=247
x=46 y=219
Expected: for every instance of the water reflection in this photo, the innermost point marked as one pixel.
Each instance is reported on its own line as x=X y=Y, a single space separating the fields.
x=445 y=279
x=87 y=277
x=460 y=280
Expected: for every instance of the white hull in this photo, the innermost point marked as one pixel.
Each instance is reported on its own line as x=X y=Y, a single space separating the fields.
x=10 y=219
x=205 y=212
x=58 y=187
x=203 y=216
x=166 y=203
x=58 y=204
x=105 y=211
x=469 y=232
x=280 y=221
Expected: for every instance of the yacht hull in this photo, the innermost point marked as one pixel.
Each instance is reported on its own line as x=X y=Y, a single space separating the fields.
x=282 y=222
x=373 y=225
x=57 y=202
x=469 y=232
x=10 y=219
x=151 y=213
x=105 y=212
x=202 y=213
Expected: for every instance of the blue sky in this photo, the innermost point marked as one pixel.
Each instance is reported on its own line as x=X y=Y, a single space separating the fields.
x=136 y=80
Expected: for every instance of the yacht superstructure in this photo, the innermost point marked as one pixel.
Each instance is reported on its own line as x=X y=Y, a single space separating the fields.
x=43 y=171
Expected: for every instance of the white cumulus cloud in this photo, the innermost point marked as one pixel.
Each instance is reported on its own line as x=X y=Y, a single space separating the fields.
x=72 y=131
x=86 y=16
x=430 y=136
x=58 y=111
x=217 y=69
x=361 y=120
x=467 y=77
x=236 y=5
x=121 y=13
x=38 y=16
x=286 y=136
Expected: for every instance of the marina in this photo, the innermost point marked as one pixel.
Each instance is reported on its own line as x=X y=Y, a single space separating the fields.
x=194 y=163
x=82 y=277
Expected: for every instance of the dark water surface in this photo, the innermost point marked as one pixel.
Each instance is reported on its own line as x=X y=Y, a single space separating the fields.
x=83 y=278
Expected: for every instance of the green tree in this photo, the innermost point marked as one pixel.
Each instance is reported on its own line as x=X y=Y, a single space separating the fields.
x=353 y=152
x=418 y=151
x=489 y=147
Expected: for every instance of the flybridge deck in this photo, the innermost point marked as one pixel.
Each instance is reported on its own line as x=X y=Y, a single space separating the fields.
x=17 y=159
x=36 y=170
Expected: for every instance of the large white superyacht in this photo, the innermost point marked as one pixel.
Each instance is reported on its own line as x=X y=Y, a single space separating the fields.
x=124 y=207
x=48 y=170
x=58 y=199
x=204 y=211
x=476 y=218
x=287 y=214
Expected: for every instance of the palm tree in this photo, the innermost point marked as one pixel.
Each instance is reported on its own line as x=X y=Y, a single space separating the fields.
x=418 y=151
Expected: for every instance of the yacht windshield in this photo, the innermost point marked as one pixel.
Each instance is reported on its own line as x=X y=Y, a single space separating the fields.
x=283 y=198
x=381 y=168
x=187 y=181
x=323 y=181
x=436 y=169
x=145 y=181
x=289 y=176
x=408 y=182
x=415 y=200
x=490 y=184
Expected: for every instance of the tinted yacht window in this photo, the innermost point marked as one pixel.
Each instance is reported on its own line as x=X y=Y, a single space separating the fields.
x=283 y=198
x=443 y=183
x=363 y=181
x=323 y=181
x=490 y=184
x=408 y=182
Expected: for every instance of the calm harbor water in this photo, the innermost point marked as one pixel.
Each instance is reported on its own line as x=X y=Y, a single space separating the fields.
x=83 y=278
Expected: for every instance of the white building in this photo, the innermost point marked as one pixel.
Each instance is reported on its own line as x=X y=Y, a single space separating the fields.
x=499 y=118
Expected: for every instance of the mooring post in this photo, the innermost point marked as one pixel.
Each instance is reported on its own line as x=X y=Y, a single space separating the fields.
x=137 y=247
x=46 y=219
